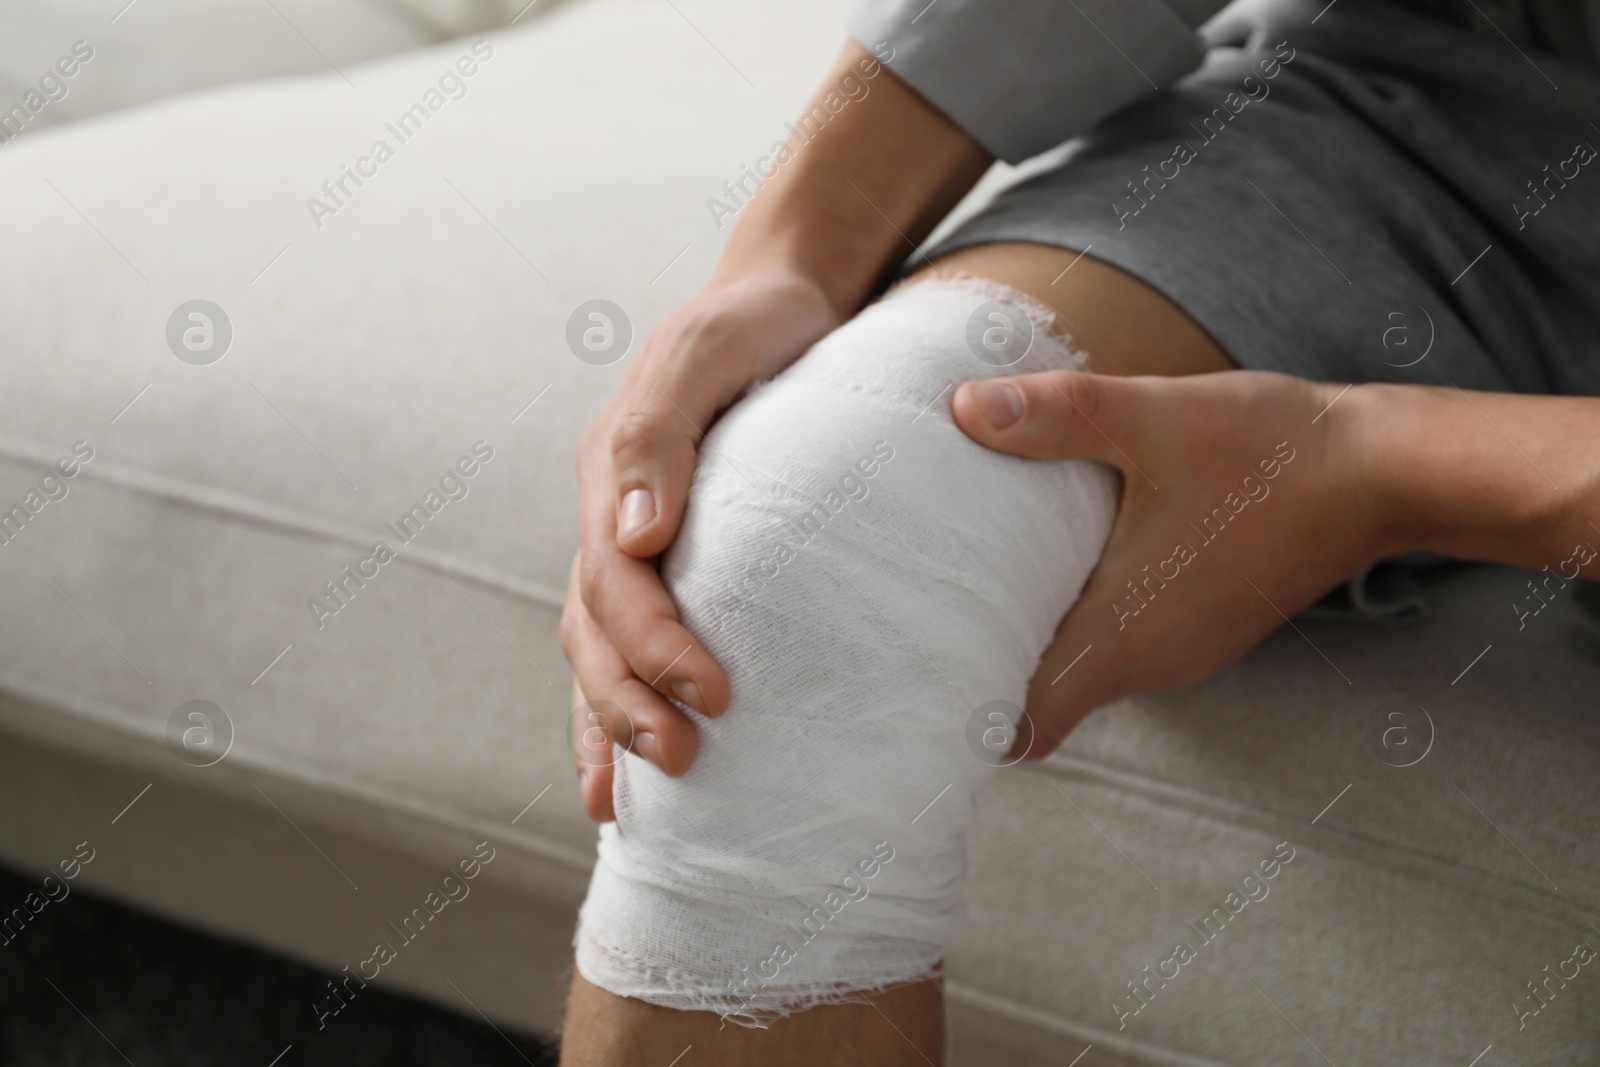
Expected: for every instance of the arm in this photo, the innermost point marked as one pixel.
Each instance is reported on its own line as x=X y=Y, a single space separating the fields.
x=1313 y=484
x=967 y=81
x=851 y=203
x=1501 y=477
x=1024 y=75
x=808 y=250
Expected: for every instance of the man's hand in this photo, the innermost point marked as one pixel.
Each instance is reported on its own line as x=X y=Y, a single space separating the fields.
x=1245 y=497
x=833 y=217
x=620 y=629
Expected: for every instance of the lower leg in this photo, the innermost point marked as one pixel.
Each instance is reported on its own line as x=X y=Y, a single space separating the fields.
x=1126 y=328
x=1124 y=325
x=903 y=1027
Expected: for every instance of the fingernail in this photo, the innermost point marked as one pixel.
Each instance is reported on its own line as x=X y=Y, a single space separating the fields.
x=1000 y=403
x=638 y=508
x=689 y=693
x=645 y=745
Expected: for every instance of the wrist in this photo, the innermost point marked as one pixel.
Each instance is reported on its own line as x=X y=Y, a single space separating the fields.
x=1443 y=476
x=775 y=281
x=772 y=268
x=1377 y=426
x=846 y=206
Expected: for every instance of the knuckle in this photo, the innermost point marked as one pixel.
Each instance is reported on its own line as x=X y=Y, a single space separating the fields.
x=587 y=447
x=664 y=654
x=635 y=437
x=568 y=632
x=591 y=584
x=1082 y=393
x=710 y=329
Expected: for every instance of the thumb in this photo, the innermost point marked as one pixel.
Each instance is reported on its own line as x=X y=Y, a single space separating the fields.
x=1051 y=415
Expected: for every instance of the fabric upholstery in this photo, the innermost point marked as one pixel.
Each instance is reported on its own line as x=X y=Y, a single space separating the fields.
x=369 y=355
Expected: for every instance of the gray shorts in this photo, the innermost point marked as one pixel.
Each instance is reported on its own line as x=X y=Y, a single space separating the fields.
x=1366 y=195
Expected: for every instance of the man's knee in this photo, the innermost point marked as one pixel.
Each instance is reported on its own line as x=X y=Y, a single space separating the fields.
x=871 y=580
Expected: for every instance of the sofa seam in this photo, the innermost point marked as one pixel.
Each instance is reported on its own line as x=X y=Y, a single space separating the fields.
x=213 y=502
x=1369 y=849
x=16 y=698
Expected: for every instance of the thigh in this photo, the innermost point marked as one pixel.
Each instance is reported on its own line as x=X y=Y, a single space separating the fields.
x=1123 y=325
x=1371 y=195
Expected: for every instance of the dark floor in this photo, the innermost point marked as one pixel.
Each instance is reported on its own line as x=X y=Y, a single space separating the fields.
x=93 y=984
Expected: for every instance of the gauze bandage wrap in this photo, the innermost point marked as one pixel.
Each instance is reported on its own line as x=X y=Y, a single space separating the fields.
x=869 y=578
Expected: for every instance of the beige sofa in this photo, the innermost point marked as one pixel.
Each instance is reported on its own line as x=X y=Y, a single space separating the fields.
x=1436 y=785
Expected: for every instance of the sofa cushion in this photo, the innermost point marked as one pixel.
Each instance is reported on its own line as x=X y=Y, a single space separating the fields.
x=75 y=58
x=381 y=334
x=372 y=350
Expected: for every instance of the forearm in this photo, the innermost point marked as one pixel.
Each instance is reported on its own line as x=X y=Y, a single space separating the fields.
x=846 y=200
x=1487 y=476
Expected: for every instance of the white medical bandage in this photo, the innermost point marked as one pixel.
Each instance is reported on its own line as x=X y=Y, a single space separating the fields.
x=870 y=578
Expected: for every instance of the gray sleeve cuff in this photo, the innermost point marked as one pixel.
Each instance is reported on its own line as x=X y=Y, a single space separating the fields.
x=1021 y=76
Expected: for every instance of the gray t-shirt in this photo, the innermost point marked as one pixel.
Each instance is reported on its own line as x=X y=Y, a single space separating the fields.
x=1021 y=76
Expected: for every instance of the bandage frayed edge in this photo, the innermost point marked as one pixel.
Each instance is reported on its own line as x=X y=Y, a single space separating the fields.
x=759 y=1012
x=1053 y=345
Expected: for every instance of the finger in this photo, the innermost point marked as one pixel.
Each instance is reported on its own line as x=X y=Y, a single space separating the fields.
x=1052 y=415
x=1089 y=660
x=654 y=445
x=1077 y=674
x=625 y=598
x=622 y=714
x=594 y=783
